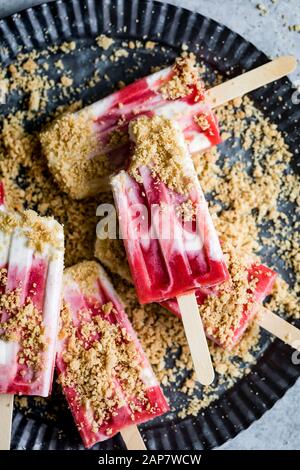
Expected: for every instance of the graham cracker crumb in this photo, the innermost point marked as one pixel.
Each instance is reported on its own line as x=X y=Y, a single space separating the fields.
x=104 y=42
x=34 y=228
x=184 y=80
x=222 y=313
x=72 y=152
x=157 y=146
x=34 y=100
x=68 y=47
x=4 y=84
x=66 y=81
x=150 y=45
x=23 y=324
x=85 y=274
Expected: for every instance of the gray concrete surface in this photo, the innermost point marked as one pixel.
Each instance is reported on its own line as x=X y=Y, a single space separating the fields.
x=279 y=428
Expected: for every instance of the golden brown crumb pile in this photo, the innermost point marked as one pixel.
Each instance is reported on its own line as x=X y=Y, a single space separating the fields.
x=157 y=147
x=23 y=324
x=202 y=122
x=94 y=366
x=72 y=152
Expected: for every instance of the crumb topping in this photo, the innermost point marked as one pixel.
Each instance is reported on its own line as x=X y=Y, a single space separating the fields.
x=185 y=79
x=72 y=151
x=157 y=147
x=23 y=324
x=222 y=313
x=35 y=229
x=186 y=210
x=85 y=274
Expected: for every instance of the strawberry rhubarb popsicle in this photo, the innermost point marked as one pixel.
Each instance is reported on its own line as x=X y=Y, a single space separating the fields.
x=31 y=266
x=171 y=244
x=105 y=375
x=170 y=241
x=84 y=148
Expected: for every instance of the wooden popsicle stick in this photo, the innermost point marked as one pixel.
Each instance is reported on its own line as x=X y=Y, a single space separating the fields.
x=196 y=338
x=132 y=438
x=6 y=409
x=249 y=81
x=278 y=327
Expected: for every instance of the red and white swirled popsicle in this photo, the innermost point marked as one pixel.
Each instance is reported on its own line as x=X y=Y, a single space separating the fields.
x=170 y=241
x=228 y=310
x=84 y=148
x=105 y=375
x=171 y=244
x=31 y=267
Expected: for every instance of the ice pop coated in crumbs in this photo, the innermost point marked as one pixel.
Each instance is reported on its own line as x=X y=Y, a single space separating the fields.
x=172 y=248
x=106 y=377
x=171 y=244
x=31 y=266
x=84 y=148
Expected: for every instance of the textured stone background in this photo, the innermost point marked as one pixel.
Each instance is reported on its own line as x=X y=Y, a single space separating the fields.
x=279 y=428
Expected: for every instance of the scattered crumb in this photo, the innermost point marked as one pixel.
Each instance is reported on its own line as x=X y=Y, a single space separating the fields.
x=23 y=324
x=184 y=80
x=263 y=11
x=4 y=84
x=34 y=100
x=295 y=27
x=150 y=45
x=68 y=47
x=104 y=42
x=66 y=81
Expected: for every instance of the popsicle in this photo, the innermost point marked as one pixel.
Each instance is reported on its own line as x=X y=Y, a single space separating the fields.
x=31 y=266
x=171 y=244
x=106 y=377
x=84 y=148
x=228 y=309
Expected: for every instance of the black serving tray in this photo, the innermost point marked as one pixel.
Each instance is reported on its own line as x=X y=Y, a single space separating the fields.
x=230 y=54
